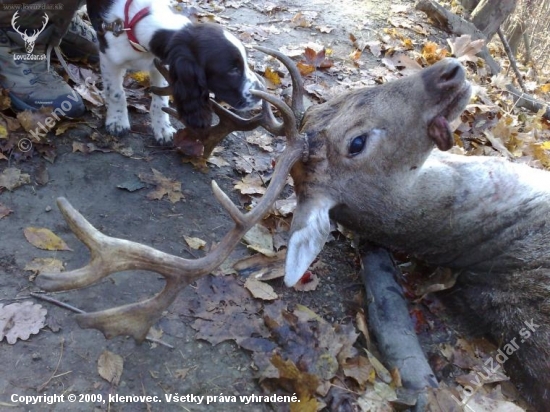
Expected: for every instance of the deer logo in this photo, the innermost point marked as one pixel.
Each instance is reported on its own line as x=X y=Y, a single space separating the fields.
x=29 y=40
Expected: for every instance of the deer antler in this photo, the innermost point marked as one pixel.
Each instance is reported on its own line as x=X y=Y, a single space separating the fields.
x=229 y=121
x=110 y=255
x=13 y=23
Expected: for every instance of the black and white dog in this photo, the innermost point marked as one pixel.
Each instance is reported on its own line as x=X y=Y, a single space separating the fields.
x=201 y=58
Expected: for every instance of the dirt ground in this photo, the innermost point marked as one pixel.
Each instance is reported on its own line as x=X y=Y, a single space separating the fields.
x=69 y=356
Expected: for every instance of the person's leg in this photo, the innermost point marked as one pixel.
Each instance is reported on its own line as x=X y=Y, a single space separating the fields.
x=31 y=82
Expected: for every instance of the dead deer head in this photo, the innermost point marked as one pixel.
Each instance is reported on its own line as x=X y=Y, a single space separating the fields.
x=110 y=255
x=369 y=140
x=29 y=39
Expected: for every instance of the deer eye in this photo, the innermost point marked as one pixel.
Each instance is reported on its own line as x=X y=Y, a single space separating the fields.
x=357 y=145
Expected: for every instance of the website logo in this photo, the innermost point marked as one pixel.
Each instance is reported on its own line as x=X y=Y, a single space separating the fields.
x=29 y=39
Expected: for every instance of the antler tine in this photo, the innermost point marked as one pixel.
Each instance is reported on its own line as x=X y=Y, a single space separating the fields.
x=289 y=119
x=297 y=83
x=162 y=91
x=13 y=23
x=230 y=122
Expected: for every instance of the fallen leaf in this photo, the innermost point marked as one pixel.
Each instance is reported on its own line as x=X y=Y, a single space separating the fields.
x=380 y=369
x=4 y=211
x=251 y=185
x=272 y=76
x=260 y=239
x=195 y=242
x=263 y=140
x=43 y=238
x=305 y=68
x=262 y=267
x=259 y=289
x=90 y=93
x=21 y=320
x=358 y=368
x=303 y=383
x=11 y=178
x=110 y=366
x=43 y=265
x=40 y=121
x=464 y=49
x=88 y=148
x=218 y=161
x=170 y=188
x=260 y=162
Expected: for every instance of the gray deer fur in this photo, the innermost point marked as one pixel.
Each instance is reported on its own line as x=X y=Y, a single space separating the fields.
x=484 y=217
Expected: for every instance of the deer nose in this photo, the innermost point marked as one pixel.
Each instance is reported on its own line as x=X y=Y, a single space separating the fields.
x=451 y=74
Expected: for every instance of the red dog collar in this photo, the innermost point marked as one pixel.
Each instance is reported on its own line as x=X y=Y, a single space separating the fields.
x=129 y=25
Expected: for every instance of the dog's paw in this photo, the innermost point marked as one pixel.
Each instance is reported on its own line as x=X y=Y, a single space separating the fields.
x=164 y=133
x=117 y=129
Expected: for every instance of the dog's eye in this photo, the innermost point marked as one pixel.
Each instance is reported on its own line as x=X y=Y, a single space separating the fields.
x=235 y=71
x=357 y=145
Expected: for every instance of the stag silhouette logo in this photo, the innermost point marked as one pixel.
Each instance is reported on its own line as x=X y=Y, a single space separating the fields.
x=29 y=39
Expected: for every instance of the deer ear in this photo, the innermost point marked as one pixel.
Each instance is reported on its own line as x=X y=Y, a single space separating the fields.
x=308 y=234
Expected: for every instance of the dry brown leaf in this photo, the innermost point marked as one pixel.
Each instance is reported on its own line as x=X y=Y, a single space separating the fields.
x=11 y=178
x=464 y=49
x=380 y=369
x=43 y=265
x=4 y=211
x=110 y=366
x=11 y=122
x=260 y=290
x=170 y=188
x=260 y=162
x=88 y=148
x=45 y=239
x=262 y=267
x=64 y=126
x=260 y=239
x=21 y=320
x=218 y=161
x=358 y=368
x=251 y=185
x=90 y=93
x=40 y=120
x=263 y=140
x=194 y=242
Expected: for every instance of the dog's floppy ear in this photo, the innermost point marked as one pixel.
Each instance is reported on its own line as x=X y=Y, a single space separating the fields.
x=189 y=87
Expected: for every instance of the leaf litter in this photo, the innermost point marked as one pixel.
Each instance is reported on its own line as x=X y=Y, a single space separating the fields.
x=21 y=320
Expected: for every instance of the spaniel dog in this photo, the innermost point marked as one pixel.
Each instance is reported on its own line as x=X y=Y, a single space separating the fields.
x=202 y=58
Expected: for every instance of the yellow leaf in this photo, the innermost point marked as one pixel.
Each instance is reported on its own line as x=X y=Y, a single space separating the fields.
x=43 y=238
x=272 y=76
x=141 y=77
x=545 y=88
x=194 y=242
x=305 y=68
x=545 y=145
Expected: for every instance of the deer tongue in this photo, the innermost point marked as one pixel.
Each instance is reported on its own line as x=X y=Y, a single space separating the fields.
x=440 y=132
